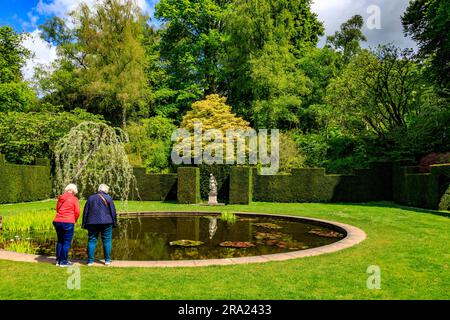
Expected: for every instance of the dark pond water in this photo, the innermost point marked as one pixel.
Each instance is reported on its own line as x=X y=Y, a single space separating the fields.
x=153 y=237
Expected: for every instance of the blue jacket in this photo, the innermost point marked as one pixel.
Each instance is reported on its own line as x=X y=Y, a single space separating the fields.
x=97 y=212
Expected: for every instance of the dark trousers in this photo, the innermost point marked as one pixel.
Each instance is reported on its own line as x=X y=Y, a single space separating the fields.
x=64 y=232
x=93 y=232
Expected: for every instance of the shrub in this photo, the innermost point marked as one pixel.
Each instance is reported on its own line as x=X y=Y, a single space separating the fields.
x=27 y=136
x=150 y=143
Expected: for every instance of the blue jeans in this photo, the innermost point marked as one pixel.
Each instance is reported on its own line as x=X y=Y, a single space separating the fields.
x=64 y=232
x=93 y=232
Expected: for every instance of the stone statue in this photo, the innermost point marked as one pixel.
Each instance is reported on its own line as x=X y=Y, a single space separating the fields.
x=212 y=200
x=212 y=185
x=212 y=227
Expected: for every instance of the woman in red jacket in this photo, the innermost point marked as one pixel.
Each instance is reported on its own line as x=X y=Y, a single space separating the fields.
x=67 y=213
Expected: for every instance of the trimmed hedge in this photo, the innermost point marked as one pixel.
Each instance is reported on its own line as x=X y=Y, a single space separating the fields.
x=422 y=190
x=313 y=185
x=154 y=187
x=21 y=183
x=188 y=187
x=241 y=185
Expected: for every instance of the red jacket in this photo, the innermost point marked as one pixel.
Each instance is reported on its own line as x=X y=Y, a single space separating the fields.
x=67 y=208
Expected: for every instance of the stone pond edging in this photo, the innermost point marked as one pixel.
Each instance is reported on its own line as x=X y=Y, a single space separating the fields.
x=353 y=237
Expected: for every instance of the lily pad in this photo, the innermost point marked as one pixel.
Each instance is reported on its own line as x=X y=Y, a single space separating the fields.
x=268 y=235
x=271 y=226
x=326 y=233
x=247 y=219
x=236 y=244
x=186 y=243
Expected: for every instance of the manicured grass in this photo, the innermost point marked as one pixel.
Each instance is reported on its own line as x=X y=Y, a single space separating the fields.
x=411 y=246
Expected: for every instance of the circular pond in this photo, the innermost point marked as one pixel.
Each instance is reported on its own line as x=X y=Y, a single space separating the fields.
x=195 y=236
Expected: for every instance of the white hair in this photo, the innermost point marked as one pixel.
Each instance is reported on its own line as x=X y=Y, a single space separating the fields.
x=103 y=187
x=71 y=187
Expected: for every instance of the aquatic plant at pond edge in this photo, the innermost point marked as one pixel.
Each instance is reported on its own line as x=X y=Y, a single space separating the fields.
x=186 y=243
x=228 y=217
x=20 y=245
x=39 y=220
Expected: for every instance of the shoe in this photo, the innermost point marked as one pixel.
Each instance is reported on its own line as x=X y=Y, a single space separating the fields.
x=107 y=263
x=57 y=264
x=67 y=264
x=90 y=264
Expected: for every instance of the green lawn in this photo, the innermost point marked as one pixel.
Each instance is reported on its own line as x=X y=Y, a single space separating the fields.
x=411 y=246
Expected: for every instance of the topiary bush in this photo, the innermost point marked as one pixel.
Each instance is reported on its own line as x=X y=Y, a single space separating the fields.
x=241 y=185
x=154 y=187
x=188 y=186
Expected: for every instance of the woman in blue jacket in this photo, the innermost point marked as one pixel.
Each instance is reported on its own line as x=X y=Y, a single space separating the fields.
x=99 y=218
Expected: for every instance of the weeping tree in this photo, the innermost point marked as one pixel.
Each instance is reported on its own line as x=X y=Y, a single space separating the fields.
x=93 y=153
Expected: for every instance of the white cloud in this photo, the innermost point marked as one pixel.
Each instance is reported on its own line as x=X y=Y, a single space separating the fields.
x=43 y=53
x=334 y=12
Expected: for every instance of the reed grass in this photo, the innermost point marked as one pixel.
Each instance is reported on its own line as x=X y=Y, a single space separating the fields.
x=38 y=220
x=20 y=245
x=228 y=217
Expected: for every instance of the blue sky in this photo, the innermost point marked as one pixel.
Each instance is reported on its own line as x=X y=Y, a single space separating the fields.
x=27 y=15
x=382 y=21
x=15 y=13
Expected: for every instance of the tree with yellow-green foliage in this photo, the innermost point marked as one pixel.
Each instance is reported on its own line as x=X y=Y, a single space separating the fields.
x=212 y=118
x=213 y=113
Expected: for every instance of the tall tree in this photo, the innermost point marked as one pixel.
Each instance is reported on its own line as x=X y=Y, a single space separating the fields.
x=428 y=22
x=15 y=95
x=103 y=51
x=382 y=88
x=347 y=39
x=191 y=46
x=263 y=31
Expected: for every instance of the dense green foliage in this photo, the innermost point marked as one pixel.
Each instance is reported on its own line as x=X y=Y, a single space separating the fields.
x=15 y=95
x=27 y=136
x=22 y=183
x=192 y=46
x=428 y=22
x=102 y=61
x=338 y=107
x=150 y=143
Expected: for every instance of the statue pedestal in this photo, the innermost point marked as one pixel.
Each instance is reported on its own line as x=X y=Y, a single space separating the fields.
x=212 y=200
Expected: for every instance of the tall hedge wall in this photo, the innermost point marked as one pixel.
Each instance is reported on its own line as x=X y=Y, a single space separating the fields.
x=422 y=190
x=20 y=183
x=188 y=187
x=241 y=185
x=313 y=185
x=154 y=187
